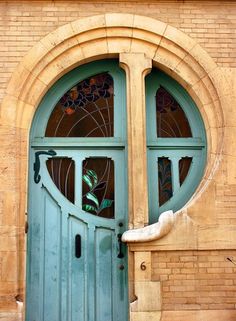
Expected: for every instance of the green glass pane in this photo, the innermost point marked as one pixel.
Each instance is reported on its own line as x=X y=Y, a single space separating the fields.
x=98 y=186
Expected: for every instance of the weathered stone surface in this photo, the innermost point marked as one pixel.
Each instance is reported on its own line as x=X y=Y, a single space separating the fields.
x=151 y=232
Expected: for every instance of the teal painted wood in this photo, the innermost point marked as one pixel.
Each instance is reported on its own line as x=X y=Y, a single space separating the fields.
x=61 y=287
x=173 y=148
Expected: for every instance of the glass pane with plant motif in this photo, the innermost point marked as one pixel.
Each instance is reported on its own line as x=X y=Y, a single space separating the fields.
x=86 y=110
x=98 y=187
x=164 y=180
x=170 y=118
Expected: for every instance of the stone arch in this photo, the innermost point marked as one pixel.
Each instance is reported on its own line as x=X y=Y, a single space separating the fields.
x=73 y=44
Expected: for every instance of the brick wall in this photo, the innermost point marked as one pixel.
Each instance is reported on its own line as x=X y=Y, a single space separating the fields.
x=23 y=23
x=195 y=280
x=190 y=280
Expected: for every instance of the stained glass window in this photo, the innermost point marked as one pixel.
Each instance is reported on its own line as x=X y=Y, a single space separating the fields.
x=98 y=186
x=176 y=144
x=164 y=180
x=184 y=166
x=165 y=176
x=62 y=172
x=86 y=110
x=170 y=118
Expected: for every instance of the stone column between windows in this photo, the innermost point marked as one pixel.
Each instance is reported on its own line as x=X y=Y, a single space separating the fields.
x=136 y=66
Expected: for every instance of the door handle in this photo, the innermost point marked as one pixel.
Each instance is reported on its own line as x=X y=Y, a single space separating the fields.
x=50 y=152
x=78 y=246
x=120 y=254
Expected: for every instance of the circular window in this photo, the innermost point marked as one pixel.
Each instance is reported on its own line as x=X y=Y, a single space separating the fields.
x=176 y=144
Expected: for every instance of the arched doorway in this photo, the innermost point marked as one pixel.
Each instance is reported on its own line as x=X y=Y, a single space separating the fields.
x=77 y=266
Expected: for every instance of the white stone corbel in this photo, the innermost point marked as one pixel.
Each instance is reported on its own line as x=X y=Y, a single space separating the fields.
x=151 y=232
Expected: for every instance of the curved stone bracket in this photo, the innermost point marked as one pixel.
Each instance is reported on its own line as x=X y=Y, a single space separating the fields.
x=151 y=232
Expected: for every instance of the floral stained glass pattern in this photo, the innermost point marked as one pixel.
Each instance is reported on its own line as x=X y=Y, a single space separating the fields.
x=62 y=172
x=164 y=180
x=86 y=110
x=170 y=117
x=98 y=187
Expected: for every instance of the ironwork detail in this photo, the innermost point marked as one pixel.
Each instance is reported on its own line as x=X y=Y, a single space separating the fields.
x=37 y=177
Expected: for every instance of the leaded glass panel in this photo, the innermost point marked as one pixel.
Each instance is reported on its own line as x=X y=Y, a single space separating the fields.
x=98 y=186
x=184 y=166
x=170 y=118
x=164 y=180
x=62 y=172
x=86 y=110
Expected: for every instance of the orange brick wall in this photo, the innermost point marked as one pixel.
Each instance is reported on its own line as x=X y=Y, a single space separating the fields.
x=24 y=23
x=195 y=280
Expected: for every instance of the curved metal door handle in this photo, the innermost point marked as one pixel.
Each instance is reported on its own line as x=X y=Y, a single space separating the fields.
x=37 y=177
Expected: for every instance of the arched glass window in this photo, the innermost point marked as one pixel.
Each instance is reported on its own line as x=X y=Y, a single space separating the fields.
x=85 y=112
x=176 y=144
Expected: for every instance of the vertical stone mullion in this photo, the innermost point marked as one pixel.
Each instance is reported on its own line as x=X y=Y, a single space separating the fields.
x=136 y=66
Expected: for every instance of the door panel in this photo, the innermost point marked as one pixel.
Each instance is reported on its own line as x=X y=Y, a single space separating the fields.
x=104 y=258
x=64 y=287
x=50 y=258
x=77 y=271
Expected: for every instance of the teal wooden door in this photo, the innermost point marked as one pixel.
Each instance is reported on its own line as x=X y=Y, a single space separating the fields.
x=76 y=264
